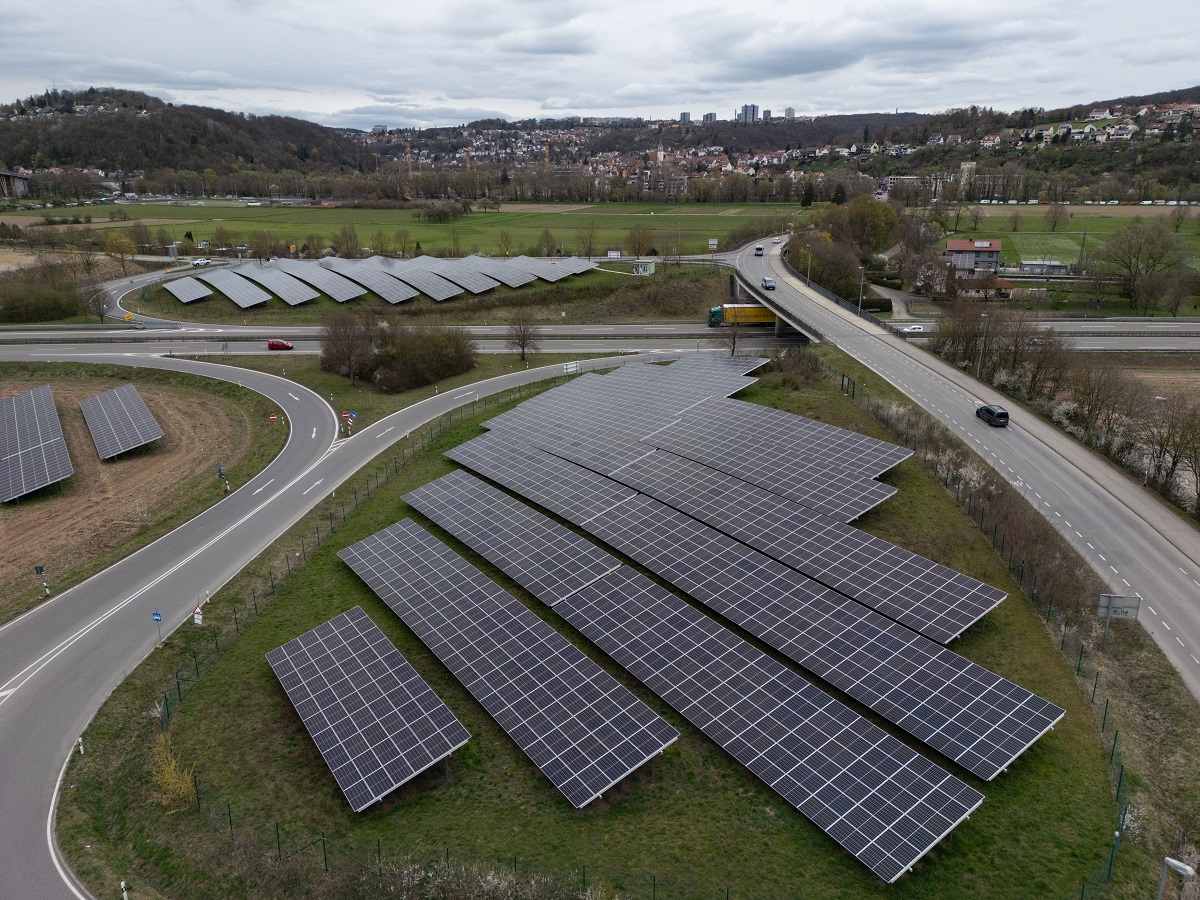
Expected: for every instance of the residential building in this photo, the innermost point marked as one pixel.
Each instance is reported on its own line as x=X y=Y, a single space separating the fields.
x=789 y=113
x=973 y=255
x=1044 y=267
x=748 y=115
x=685 y=118
x=709 y=118
x=766 y=115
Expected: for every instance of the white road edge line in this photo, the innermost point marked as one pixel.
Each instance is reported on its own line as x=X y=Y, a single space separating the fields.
x=53 y=848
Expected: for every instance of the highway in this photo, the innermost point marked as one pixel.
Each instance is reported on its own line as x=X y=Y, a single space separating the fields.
x=1131 y=538
x=60 y=661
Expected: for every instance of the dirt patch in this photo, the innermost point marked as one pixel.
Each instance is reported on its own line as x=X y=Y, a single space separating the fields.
x=29 y=222
x=1098 y=211
x=15 y=259
x=544 y=207
x=105 y=503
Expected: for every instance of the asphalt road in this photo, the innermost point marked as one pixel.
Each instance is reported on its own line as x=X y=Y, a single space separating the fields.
x=1130 y=537
x=61 y=660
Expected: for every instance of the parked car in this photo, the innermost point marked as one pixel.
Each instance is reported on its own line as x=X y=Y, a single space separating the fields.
x=768 y=284
x=276 y=344
x=994 y=415
x=203 y=261
x=914 y=329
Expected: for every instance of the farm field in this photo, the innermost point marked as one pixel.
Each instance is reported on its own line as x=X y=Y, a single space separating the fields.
x=690 y=824
x=687 y=227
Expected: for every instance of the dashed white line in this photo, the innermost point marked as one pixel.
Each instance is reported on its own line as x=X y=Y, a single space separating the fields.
x=1196 y=661
x=1181 y=643
x=1078 y=534
x=1127 y=584
x=293 y=396
x=1181 y=569
x=1115 y=572
x=1090 y=547
x=1165 y=625
x=1101 y=555
x=314 y=434
x=386 y=430
x=1068 y=524
x=1151 y=608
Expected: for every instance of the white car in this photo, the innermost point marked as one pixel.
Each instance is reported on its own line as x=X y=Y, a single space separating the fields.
x=203 y=261
x=914 y=329
x=775 y=240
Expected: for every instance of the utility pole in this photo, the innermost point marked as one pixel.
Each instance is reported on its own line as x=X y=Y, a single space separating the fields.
x=862 y=274
x=982 y=344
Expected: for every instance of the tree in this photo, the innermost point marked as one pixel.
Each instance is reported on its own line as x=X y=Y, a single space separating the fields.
x=639 y=240
x=730 y=337
x=345 y=243
x=839 y=195
x=314 y=244
x=1140 y=251
x=262 y=244
x=1015 y=222
x=349 y=341
x=381 y=243
x=547 y=242
x=523 y=334
x=808 y=194
x=586 y=237
x=121 y=247
x=403 y=241
x=96 y=300
x=1056 y=215
x=504 y=241
x=1177 y=216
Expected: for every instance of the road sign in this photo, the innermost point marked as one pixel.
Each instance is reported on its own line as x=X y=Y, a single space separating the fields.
x=274 y=417
x=156 y=616
x=713 y=243
x=1114 y=606
x=198 y=615
x=354 y=415
x=128 y=316
x=345 y=415
x=570 y=368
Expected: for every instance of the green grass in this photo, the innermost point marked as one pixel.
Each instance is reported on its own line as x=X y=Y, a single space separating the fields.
x=1034 y=240
x=688 y=226
x=694 y=819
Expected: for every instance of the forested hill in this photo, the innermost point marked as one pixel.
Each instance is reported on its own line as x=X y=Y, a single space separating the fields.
x=114 y=129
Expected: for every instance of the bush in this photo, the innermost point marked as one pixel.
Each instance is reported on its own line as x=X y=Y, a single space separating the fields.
x=38 y=294
x=413 y=356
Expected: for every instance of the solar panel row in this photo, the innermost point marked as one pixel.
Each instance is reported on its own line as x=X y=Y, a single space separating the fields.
x=119 y=420
x=375 y=280
x=33 y=453
x=329 y=283
x=237 y=289
x=465 y=276
x=428 y=283
x=187 y=289
x=576 y=722
x=375 y=721
x=290 y=290
x=876 y=797
x=501 y=270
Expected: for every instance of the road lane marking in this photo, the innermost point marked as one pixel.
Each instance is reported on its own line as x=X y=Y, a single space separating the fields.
x=386 y=430
x=1196 y=661
x=1181 y=643
x=1165 y=625
x=267 y=485
x=293 y=396
x=1151 y=608
x=314 y=434
x=1101 y=555
x=1115 y=572
x=1127 y=584
x=1181 y=569
x=1090 y=547
x=314 y=484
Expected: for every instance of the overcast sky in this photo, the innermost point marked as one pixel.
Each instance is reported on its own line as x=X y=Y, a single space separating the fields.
x=443 y=62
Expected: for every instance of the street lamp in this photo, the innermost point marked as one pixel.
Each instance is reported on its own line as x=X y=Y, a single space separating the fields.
x=862 y=274
x=982 y=344
x=1173 y=865
x=1152 y=463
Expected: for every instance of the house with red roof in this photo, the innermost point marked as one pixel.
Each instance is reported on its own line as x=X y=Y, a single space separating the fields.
x=972 y=256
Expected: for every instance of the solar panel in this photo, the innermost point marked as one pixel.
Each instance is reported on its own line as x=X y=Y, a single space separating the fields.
x=499 y=269
x=964 y=711
x=428 y=283
x=453 y=270
x=927 y=597
x=545 y=269
x=578 y=724
x=33 y=453
x=187 y=289
x=119 y=421
x=331 y=284
x=374 y=720
x=290 y=290
x=713 y=362
x=237 y=289
x=375 y=280
x=485 y=519
x=881 y=801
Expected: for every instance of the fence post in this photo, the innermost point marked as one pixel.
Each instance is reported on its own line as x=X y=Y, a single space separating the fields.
x=324 y=855
x=1112 y=755
x=196 y=788
x=1095 y=684
x=196 y=660
x=229 y=810
x=278 y=844
x=1079 y=662
x=1104 y=721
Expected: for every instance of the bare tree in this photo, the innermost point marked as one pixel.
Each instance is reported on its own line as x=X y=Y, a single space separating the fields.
x=403 y=241
x=505 y=241
x=262 y=244
x=586 y=237
x=1177 y=216
x=346 y=244
x=974 y=212
x=120 y=246
x=639 y=241
x=349 y=343
x=1056 y=215
x=523 y=334
x=96 y=300
x=381 y=243
x=1015 y=222
x=547 y=242
x=1141 y=250
x=315 y=244
x=731 y=336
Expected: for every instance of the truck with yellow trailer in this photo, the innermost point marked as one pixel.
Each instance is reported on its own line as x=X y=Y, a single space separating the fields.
x=740 y=314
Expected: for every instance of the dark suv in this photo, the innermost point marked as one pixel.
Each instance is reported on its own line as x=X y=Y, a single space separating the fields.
x=993 y=415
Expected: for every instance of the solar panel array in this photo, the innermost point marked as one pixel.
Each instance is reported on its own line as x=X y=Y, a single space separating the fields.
x=465 y=276
x=428 y=283
x=500 y=269
x=967 y=713
x=187 y=289
x=375 y=280
x=329 y=283
x=883 y=802
x=581 y=727
x=545 y=269
x=237 y=289
x=119 y=420
x=33 y=453
x=375 y=721
x=290 y=290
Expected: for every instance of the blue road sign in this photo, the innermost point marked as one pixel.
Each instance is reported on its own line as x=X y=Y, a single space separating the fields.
x=157 y=616
x=354 y=415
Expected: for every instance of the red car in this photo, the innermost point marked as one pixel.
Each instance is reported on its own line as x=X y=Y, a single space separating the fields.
x=276 y=344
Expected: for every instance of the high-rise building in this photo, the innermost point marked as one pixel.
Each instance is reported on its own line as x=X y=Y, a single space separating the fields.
x=685 y=118
x=789 y=113
x=710 y=118
x=766 y=115
x=748 y=115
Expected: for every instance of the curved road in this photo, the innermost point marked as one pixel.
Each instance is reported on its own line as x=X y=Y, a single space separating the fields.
x=1131 y=538
x=61 y=660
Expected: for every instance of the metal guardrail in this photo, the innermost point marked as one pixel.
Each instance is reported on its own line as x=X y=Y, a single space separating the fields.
x=772 y=304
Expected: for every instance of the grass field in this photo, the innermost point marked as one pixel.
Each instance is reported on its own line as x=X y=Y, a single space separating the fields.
x=688 y=227
x=693 y=822
x=673 y=293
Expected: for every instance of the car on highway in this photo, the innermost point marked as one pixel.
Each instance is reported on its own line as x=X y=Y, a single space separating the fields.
x=768 y=284
x=758 y=250
x=203 y=261
x=277 y=344
x=914 y=329
x=775 y=240
x=993 y=414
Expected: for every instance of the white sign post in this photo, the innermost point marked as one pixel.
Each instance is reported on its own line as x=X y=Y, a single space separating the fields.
x=198 y=615
x=1115 y=606
x=570 y=368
